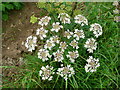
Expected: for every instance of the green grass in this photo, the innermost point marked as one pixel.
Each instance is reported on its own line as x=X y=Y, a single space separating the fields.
x=106 y=75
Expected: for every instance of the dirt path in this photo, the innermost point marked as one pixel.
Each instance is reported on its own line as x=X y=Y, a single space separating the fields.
x=15 y=31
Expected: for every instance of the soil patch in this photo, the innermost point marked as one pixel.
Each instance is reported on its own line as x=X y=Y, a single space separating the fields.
x=15 y=32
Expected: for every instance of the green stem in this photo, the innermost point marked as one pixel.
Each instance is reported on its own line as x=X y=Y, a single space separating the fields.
x=56 y=81
x=66 y=84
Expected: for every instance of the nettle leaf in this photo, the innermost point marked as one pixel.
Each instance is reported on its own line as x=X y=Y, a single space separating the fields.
x=41 y=5
x=9 y=6
x=33 y=19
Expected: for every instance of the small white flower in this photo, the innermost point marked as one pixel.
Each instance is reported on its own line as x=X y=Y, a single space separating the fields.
x=42 y=33
x=58 y=56
x=92 y=64
x=66 y=72
x=31 y=43
x=115 y=3
x=91 y=45
x=56 y=27
x=73 y=55
x=68 y=34
x=63 y=46
x=44 y=54
x=79 y=34
x=81 y=20
x=97 y=29
x=46 y=73
x=117 y=18
x=44 y=21
x=49 y=44
x=116 y=11
x=55 y=39
x=74 y=44
x=64 y=18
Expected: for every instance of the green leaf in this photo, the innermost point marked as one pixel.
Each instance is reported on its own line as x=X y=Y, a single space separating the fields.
x=17 y=5
x=41 y=5
x=9 y=6
x=3 y=7
x=33 y=19
x=5 y=17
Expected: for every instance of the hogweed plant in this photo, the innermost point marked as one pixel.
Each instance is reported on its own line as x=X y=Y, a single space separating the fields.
x=63 y=38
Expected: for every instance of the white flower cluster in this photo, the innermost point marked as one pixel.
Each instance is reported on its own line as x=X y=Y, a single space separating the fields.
x=92 y=64
x=41 y=32
x=59 y=55
x=97 y=29
x=44 y=54
x=56 y=27
x=49 y=44
x=68 y=34
x=79 y=34
x=116 y=11
x=81 y=20
x=73 y=55
x=31 y=43
x=46 y=73
x=66 y=71
x=55 y=39
x=44 y=21
x=91 y=45
x=74 y=44
x=64 y=18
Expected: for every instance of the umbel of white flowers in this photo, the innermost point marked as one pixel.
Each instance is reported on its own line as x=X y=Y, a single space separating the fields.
x=92 y=64
x=47 y=72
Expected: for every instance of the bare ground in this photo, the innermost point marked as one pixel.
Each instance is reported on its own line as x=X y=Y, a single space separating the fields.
x=15 y=31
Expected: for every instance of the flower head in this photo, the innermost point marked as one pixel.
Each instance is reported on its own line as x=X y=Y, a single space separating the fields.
x=116 y=3
x=74 y=44
x=116 y=11
x=63 y=46
x=117 y=18
x=79 y=34
x=44 y=21
x=81 y=20
x=68 y=34
x=49 y=44
x=73 y=55
x=91 y=45
x=31 y=43
x=55 y=39
x=46 y=73
x=97 y=29
x=56 y=27
x=64 y=18
x=41 y=32
x=66 y=72
x=58 y=56
x=44 y=54
x=92 y=64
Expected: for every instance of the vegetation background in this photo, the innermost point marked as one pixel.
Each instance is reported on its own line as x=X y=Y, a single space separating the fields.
x=107 y=75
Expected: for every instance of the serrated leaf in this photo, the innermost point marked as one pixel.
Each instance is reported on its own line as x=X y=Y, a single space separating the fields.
x=33 y=19
x=41 y=5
